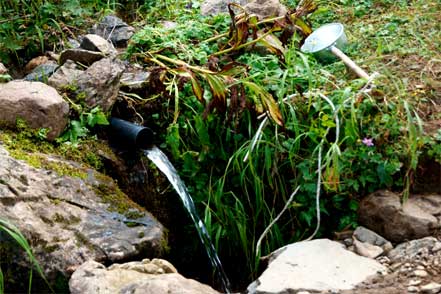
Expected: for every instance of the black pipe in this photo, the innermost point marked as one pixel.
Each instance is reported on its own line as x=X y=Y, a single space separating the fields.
x=130 y=135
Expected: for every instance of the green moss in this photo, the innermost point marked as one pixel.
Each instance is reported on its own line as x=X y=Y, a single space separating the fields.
x=117 y=200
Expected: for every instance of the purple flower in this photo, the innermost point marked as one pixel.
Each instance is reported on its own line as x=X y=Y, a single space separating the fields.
x=368 y=142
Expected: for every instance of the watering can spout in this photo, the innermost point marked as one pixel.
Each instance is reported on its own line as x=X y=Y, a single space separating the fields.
x=130 y=135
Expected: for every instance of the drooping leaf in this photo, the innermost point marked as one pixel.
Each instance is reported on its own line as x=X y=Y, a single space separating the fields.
x=272 y=43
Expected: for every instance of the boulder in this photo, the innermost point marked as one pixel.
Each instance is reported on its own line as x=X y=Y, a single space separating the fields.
x=82 y=56
x=100 y=83
x=96 y=43
x=114 y=29
x=69 y=220
x=66 y=75
x=215 y=7
x=383 y=213
x=94 y=278
x=135 y=80
x=317 y=265
x=38 y=104
x=266 y=8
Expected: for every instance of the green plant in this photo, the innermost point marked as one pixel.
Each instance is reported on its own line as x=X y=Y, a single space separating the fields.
x=80 y=128
x=18 y=237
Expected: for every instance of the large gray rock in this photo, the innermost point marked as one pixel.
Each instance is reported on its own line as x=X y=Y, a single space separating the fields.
x=69 y=220
x=317 y=265
x=383 y=213
x=137 y=278
x=114 y=29
x=100 y=83
x=38 y=104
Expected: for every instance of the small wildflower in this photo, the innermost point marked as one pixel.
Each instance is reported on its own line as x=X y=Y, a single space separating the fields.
x=368 y=142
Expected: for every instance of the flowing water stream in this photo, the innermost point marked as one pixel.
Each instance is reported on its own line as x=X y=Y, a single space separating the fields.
x=162 y=162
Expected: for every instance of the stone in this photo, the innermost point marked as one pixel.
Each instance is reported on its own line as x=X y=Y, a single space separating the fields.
x=317 y=265
x=42 y=72
x=3 y=69
x=367 y=250
x=94 y=278
x=215 y=7
x=114 y=29
x=412 y=289
x=409 y=250
x=69 y=220
x=94 y=42
x=431 y=288
x=367 y=236
x=420 y=273
x=38 y=104
x=266 y=8
x=100 y=83
x=383 y=213
x=85 y=57
x=147 y=266
x=34 y=62
x=414 y=282
x=66 y=75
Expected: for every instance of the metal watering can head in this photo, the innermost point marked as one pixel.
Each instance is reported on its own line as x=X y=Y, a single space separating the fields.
x=322 y=39
x=326 y=44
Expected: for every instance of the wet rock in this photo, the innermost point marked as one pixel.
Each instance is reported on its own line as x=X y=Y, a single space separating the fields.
x=34 y=62
x=38 y=104
x=266 y=8
x=215 y=7
x=317 y=265
x=96 y=43
x=383 y=213
x=69 y=221
x=42 y=72
x=65 y=75
x=95 y=278
x=82 y=56
x=100 y=83
x=409 y=250
x=3 y=69
x=114 y=29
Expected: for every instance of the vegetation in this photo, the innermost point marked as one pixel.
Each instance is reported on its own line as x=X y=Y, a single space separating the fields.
x=256 y=127
x=13 y=232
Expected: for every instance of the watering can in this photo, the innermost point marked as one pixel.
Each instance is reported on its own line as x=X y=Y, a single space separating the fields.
x=327 y=42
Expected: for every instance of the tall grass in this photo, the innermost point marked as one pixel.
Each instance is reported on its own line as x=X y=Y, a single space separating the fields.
x=11 y=230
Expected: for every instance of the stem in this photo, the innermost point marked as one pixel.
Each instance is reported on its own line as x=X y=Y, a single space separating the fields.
x=244 y=45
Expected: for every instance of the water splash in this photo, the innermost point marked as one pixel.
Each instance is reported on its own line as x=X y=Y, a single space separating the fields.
x=162 y=162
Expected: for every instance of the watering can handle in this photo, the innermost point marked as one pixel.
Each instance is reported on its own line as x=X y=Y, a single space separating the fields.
x=351 y=64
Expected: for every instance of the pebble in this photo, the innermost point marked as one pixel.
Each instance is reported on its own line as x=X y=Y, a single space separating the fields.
x=420 y=267
x=412 y=289
x=303 y=292
x=420 y=273
x=414 y=282
x=431 y=288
